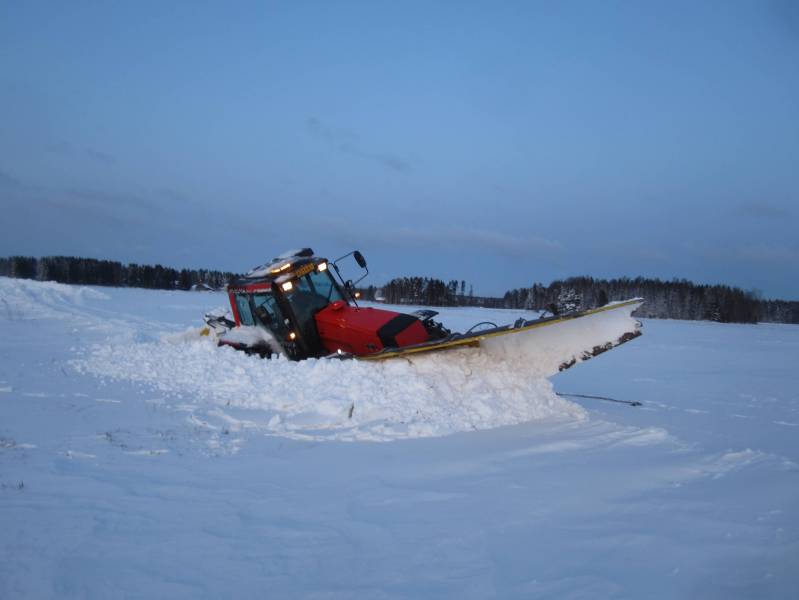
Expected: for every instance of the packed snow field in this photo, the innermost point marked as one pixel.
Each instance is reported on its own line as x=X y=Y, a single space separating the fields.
x=137 y=459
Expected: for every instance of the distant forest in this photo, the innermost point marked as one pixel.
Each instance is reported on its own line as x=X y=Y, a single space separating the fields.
x=675 y=299
x=428 y=291
x=91 y=271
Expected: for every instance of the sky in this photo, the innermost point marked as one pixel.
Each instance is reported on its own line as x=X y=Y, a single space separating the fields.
x=502 y=143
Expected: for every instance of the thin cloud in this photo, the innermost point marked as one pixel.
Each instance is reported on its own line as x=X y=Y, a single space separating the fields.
x=501 y=242
x=60 y=148
x=389 y=161
x=489 y=241
x=763 y=210
x=629 y=250
x=92 y=197
x=761 y=254
x=8 y=181
x=768 y=253
x=336 y=137
x=100 y=157
x=66 y=149
x=173 y=195
x=786 y=16
x=346 y=142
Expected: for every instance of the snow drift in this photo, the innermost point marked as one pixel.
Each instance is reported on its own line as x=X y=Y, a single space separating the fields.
x=432 y=395
x=26 y=299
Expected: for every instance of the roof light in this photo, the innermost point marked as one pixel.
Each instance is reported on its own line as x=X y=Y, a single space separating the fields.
x=322 y=266
x=282 y=268
x=287 y=286
x=292 y=335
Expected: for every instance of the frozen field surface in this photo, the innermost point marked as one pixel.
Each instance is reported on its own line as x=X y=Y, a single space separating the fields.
x=139 y=461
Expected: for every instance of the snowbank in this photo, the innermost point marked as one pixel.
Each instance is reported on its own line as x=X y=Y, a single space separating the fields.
x=28 y=299
x=340 y=400
x=251 y=337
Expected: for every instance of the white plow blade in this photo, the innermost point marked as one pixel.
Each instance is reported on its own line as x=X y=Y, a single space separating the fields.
x=558 y=345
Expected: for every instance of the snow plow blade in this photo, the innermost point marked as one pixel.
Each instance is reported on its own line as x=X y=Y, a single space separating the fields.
x=545 y=346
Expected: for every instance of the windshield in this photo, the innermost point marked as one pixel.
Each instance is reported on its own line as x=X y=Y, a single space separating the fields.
x=323 y=285
x=311 y=293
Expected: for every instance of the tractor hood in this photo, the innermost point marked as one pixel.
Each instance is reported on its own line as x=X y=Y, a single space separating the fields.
x=354 y=330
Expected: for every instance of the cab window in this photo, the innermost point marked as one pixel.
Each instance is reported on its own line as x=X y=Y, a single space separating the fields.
x=243 y=307
x=322 y=284
x=268 y=313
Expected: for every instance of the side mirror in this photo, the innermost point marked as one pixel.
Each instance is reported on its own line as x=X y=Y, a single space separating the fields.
x=359 y=259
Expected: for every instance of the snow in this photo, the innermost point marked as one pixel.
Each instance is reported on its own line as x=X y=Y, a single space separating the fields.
x=139 y=461
x=338 y=400
x=249 y=336
x=266 y=269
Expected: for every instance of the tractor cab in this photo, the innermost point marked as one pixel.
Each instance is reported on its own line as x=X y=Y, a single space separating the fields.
x=294 y=305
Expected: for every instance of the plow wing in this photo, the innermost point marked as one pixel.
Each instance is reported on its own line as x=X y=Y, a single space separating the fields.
x=542 y=346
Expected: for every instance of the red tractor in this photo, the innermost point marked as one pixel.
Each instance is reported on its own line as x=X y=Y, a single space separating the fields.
x=309 y=312
x=295 y=306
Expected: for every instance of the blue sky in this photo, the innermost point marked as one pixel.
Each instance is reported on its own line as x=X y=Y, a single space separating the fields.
x=501 y=143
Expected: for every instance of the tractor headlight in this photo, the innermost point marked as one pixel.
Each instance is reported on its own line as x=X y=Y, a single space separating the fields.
x=281 y=268
x=322 y=267
x=287 y=286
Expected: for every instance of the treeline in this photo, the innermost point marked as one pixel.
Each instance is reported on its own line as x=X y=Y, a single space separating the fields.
x=778 y=311
x=91 y=271
x=420 y=290
x=428 y=291
x=675 y=299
